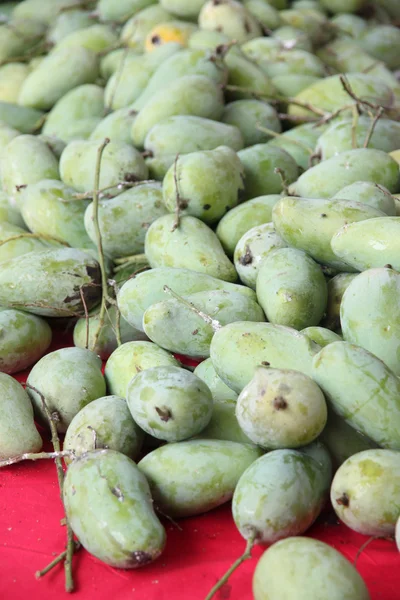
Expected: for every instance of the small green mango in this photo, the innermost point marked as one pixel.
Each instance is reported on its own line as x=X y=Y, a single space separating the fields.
x=299 y=142
x=18 y=433
x=135 y=31
x=9 y=214
x=110 y=11
x=312 y=22
x=321 y=336
x=18 y=35
x=266 y=14
x=192 y=477
x=221 y=393
x=158 y=166
x=106 y=487
x=98 y=38
x=248 y=115
x=336 y=288
x=205 y=39
x=348 y=25
x=292 y=37
x=246 y=79
x=44 y=11
x=12 y=77
x=13 y=242
x=183 y=9
x=231 y=18
x=116 y=126
x=292 y=84
x=224 y=424
x=383 y=43
x=24 y=338
x=294 y=62
x=66 y=22
x=370 y=193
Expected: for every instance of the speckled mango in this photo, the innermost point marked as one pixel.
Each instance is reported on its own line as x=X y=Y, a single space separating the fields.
x=370 y=193
x=312 y=22
x=292 y=84
x=348 y=374
x=265 y=13
x=231 y=18
x=165 y=33
x=383 y=43
x=247 y=115
x=24 y=338
x=135 y=30
x=192 y=477
x=106 y=487
x=18 y=433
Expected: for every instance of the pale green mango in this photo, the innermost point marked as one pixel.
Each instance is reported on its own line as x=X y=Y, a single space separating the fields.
x=280 y=408
x=70 y=67
x=291 y=85
x=158 y=166
x=50 y=282
x=56 y=145
x=336 y=288
x=261 y=49
x=221 y=393
x=7 y=134
x=21 y=118
x=135 y=30
x=44 y=11
x=204 y=39
x=365 y=492
x=312 y=22
x=68 y=379
x=279 y=495
x=26 y=159
x=383 y=43
x=130 y=359
x=113 y=60
x=146 y=289
x=224 y=424
x=24 y=339
x=191 y=245
x=106 y=487
x=238 y=348
x=309 y=224
x=18 y=36
x=348 y=374
x=299 y=142
x=210 y=183
x=247 y=115
x=343 y=6
x=6 y=9
x=183 y=9
x=116 y=126
x=320 y=335
x=304 y=568
x=66 y=22
x=18 y=433
x=189 y=95
x=248 y=77
x=291 y=288
x=8 y=213
x=104 y=423
x=369 y=244
x=12 y=76
x=348 y=25
x=98 y=38
x=266 y=14
x=124 y=220
x=292 y=37
x=48 y=208
x=231 y=18
x=252 y=248
x=371 y=193
x=120 y=162
x=108 y=10
x=18 y=246
x=192 y=477
x=293 y=62
x=195 y=335
x=378 y=329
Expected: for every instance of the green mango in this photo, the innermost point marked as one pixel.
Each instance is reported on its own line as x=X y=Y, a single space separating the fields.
x=186 y=178
x=26 y=159
x=312 y=22
x=231 y=18
x=7 y=8
x=18 y=433
x=98 y=38
x=120 y=162
x=9 y=214
x=370 y=193
x=68 y=379
x=261 y=49
x=167 y=246
x=309 y=224
x=299 y=142
x=343 y=6
x=104 y=423
x=18 y=246
x=192 y=477
x=24 y=339
x=12 y=76
x=252 y=248
x=70 y=67
x=158 y=166
x=291 y=288
x=195 y=335
x=204 y=39
x=20 y=118
x=106 y=487
x=48 y=208
x=278 y=4
x=7 y=134
x=221 y=393
x=279 y=495
x=336 y=288
x=292 y=37
x=246 y=78
x=108 y=10
x=338 y=137
x=248 y=345
x=266 y=14
x=50 y=282
x=184 y=10
x=66 y=22
x=280 y=408
x=365 y=492
x=293 y=62
x=328 y=177
x=44 y=11
x=304 y=568
x=369 y=244
x=116 y=126
x=292 y=84
x=134 y=32
x=130 y=359
x=141 y=292
x=124 y=220
x=18 y=36
x=189 y=95
x=169 y=403
x=309 y=4
x=55 y=144
x=113 y=60
x=347 y=374
x=383 y=43
x=348 y=25
x=246 y=115
x=377 y=330
x=224 y=424
x=321 y=335
x=183 y=134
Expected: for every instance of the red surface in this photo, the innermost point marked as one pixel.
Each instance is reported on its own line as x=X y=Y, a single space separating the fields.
x=31 y=535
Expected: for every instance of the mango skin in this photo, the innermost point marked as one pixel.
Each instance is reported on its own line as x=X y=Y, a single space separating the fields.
x=194 y=336
x=18 y=433
x=321 y=335
x=246 y=114
x=68 y=379
x=135 y=30
x=26 y=120
x=336 y=288
x=9 y=214
x=168 y=247
x=116 y=126
x=131 y=358
x=224 y=424
x=192 y=477
x=12 y=77
x=251 y=344
x=169 y=403
x=347 y=374
x=231 y=18
x=304 y=568
x=18 y=246
x=292 y=289
x=56 y=280
x=109 y=507
x=104 y=423
x=369 y=244
x=378 y=328
x=372 y=194
x=109 y=11
x=365 y=492
x=220 y=391
x=24 y=338
x=279 y=495
x=146 y=289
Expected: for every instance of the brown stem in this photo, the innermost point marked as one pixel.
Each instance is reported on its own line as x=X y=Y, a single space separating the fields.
x=177 y=196
x=38 y=236
x=86 y=317
x=371 y=130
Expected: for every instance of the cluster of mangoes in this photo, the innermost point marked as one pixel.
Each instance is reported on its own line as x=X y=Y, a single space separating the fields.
x=218 y=180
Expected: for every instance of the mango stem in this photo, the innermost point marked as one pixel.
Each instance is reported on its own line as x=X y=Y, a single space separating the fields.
x=35 y=456
x=55 y=562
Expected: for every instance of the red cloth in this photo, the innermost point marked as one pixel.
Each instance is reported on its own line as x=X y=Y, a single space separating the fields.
x=194 y=559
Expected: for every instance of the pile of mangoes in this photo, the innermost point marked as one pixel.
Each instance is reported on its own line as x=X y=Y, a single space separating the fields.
x=218 y=180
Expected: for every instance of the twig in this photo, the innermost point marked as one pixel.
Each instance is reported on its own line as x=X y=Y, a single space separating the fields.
x=56 y=561
x=245 y=556
x=285 y=186
x=216 y=325
x=285 y=138
x=117 y=329
x=117 y=80
x=38 y=236
x=120 y=185
x=130 y=259
x=371 y=130
x=354 y=124
x=177 y=196
x=86 y=317
x=35 y=456
x=362 y=548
